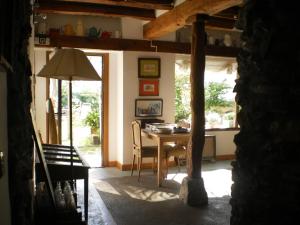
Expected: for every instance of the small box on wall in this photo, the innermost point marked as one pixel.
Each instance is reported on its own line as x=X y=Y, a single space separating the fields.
x=148 y=87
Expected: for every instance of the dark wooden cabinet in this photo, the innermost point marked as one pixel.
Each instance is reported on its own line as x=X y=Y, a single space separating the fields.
x=58 y=159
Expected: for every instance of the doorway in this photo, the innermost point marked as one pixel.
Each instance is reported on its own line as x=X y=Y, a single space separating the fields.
x=89 y=113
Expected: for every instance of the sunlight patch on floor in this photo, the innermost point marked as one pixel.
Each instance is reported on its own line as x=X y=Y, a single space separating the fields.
x=217 y=182
x=149 y=195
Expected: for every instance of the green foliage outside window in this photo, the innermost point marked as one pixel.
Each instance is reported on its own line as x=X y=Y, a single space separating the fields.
x=218 y=108
x=214 y=97
x=182 y=102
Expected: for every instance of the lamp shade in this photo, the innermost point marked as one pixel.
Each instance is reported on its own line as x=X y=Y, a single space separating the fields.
x=69 y=64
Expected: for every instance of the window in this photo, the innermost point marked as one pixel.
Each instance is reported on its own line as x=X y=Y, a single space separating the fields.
x=219 y=81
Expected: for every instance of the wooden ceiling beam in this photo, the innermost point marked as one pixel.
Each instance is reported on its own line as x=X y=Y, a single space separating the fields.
x=176 y=18
x=144 y=4
x=75 y=8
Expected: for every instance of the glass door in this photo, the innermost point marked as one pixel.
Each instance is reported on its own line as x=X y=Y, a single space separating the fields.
x=87 y=110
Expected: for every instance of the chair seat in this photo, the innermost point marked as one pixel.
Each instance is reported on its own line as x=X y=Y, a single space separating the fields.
x=176 y=151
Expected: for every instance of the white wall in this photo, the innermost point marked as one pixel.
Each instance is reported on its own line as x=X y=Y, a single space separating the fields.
x=40 y=92
x=103 y=23
x=224 y=142
x=131 y=92
x=133 y=29
x=115 y=106
x=4 y=193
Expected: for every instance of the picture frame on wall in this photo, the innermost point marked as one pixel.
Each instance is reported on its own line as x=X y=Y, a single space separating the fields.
x=149 y=67
x=148 y=107
x=149 y=87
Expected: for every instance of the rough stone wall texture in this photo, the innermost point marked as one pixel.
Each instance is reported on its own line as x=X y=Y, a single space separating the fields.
x=15 y=31
x=266 y=173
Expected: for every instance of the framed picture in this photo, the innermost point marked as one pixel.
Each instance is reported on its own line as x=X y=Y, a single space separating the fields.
x=149 y=67
x=148 y=88
x=148 y=107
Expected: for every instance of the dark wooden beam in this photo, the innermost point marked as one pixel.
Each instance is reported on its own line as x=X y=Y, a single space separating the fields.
x=176 y=18
x=192 y=188
x=232 y=12
x=216 y=22
x=144 y=4
x=119 y=44
x=195 y=149
x=75 y=8
x=136 y=45
x=220 y=22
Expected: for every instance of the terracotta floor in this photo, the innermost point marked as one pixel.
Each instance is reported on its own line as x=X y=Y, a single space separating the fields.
x=217 y=179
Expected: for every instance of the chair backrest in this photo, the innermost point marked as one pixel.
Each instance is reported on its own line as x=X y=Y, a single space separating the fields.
x=136 y=134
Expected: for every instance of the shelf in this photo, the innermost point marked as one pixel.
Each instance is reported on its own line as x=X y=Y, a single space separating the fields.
x=120 y=44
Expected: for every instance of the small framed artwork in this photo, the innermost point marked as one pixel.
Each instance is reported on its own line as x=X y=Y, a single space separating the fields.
x=149 y=67
x=148 y=107
x=149 y=87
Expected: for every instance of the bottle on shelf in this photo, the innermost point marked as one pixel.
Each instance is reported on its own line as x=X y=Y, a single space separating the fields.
x=69 y=198
x=59 y=197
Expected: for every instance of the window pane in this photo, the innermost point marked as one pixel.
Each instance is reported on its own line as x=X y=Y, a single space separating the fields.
x=219 y=81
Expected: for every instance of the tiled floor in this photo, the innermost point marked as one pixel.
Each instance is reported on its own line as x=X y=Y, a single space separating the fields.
x=216 y=175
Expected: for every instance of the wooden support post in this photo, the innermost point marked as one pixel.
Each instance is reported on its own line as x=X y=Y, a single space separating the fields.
x=59 y=110
x=192 y=188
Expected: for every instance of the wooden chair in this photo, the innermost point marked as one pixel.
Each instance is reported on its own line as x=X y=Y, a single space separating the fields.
x=178 y=151
x=139 y=150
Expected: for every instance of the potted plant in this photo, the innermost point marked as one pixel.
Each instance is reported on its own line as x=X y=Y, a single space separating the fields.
x=92 y=120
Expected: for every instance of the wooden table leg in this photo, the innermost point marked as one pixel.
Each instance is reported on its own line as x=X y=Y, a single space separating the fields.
x=86 y=197
x=159 y=163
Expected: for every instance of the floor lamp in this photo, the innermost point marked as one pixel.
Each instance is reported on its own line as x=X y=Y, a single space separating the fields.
x=69 y=64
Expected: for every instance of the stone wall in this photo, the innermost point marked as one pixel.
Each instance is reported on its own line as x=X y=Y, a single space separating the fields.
x=266 y=173
x=15 y=30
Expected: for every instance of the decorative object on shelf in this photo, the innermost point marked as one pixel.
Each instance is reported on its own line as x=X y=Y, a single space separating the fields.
x=94 y=33
x=42 y=28
x=227 y=40
x=117 y=34
x=211 y=40
x=148 y=107
x=42 y=40
x=69 y=196
x=105 y=34
x=41 y=36
x=59 y=197
x=54 y=32
x=149 y=87
x=68 y=30
x=149 y=67
x=79 y=28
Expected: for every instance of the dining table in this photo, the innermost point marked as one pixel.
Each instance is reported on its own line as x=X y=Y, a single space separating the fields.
x=162 y=139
